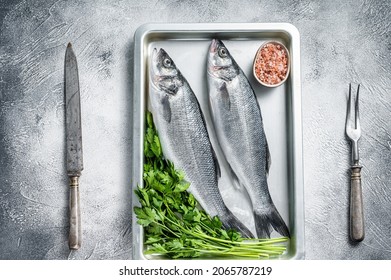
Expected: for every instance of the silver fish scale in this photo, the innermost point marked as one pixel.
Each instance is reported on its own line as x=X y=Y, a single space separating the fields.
x=188 y=146
x=242 y=137
x=239 y=128
x=185 y=140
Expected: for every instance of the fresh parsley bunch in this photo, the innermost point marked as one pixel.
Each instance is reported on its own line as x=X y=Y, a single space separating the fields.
x=175 y=226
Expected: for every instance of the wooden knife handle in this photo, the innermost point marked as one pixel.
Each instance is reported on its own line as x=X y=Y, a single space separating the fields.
x=74 y=214
x=356 y=205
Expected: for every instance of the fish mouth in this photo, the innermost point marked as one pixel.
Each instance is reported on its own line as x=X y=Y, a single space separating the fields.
x=216 y=43
x=153 y=60
x=212 y=50
x=156 y=55
x=153 y=69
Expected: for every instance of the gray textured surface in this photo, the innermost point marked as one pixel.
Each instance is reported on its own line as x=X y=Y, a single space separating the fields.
x=341 y=42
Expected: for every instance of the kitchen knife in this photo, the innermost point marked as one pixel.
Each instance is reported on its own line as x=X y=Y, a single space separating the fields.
x=74 y=156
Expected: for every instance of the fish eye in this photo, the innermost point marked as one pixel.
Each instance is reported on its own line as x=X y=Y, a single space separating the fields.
x=223 y=52
x=167 y=62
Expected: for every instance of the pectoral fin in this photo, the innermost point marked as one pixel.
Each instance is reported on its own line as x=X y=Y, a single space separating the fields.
x=225 y=96
x=166 y=108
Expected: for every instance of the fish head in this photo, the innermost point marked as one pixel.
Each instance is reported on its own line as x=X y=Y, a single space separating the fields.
x=220 y=62
x=163 y=72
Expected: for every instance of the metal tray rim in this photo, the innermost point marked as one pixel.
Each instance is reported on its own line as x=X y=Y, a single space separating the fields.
x=139 y=105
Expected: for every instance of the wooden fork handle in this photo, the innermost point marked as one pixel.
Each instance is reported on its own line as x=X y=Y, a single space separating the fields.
x=356 y=205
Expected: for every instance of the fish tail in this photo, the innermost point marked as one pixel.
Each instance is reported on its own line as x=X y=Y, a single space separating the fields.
x=266 y=220
x=231 y=222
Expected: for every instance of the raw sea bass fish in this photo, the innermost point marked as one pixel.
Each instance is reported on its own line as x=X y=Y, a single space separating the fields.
x=238 y=123
x=184 y=138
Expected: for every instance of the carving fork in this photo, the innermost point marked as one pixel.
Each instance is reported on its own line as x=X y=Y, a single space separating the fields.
x=353 y=131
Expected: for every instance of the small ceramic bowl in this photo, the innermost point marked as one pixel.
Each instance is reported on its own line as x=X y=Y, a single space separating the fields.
x=271 y=65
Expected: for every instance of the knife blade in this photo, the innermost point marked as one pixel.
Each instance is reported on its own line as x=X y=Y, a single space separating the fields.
x=74 y=154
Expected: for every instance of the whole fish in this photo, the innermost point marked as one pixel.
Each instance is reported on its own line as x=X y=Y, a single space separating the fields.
x=238 y=123
x=184 y=137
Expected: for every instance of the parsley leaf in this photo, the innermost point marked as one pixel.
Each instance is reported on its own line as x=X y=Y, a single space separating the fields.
x=175 y=226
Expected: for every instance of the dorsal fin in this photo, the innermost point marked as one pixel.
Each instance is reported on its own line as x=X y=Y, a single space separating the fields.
x=268 y=158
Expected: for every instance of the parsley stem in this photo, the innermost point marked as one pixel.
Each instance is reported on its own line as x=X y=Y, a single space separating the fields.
x=175 y=226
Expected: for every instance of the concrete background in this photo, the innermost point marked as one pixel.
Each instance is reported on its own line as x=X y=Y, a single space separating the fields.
x=341 y=42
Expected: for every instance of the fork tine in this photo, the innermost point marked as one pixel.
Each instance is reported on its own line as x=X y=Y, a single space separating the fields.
x=350 y=100
x=348 y=108
x=357 y=114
